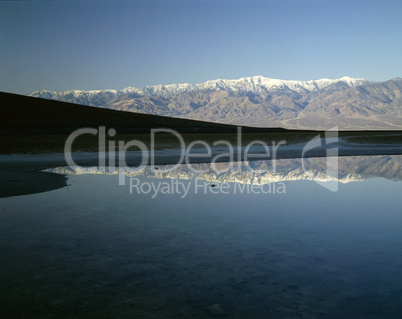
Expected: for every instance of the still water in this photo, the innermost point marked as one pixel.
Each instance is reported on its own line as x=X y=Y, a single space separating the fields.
x=293 y=249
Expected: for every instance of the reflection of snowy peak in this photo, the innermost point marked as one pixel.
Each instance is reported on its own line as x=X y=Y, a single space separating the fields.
x=350 y=169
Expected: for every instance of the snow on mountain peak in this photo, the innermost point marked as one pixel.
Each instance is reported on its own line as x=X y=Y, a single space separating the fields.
x=256 y=84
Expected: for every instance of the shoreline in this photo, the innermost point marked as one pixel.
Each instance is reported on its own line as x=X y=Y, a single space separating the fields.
x=21 y=173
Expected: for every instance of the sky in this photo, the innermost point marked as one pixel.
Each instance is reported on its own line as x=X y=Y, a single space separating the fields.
x=65 y=45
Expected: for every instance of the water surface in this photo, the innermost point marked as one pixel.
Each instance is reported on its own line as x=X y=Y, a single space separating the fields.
x=93 y=249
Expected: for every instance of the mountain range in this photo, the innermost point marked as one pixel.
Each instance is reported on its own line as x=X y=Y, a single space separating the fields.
x=349 y=103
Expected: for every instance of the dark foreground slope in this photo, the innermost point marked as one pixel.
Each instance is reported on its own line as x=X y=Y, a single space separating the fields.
x=23 y=115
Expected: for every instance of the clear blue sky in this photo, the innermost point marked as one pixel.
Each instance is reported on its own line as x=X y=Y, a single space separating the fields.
x=63 y=45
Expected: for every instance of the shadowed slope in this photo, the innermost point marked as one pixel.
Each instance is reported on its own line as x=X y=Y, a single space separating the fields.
x=21 y=114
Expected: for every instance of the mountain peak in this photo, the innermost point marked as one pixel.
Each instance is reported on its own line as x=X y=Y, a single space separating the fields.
x=244 y=86
x=258 y=101
x=256 y=84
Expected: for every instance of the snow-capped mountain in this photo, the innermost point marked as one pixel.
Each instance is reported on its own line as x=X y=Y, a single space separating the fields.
x=242 y=86
x=349 y=103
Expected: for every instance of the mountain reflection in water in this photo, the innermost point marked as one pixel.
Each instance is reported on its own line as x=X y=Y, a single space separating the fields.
x=342 y=169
